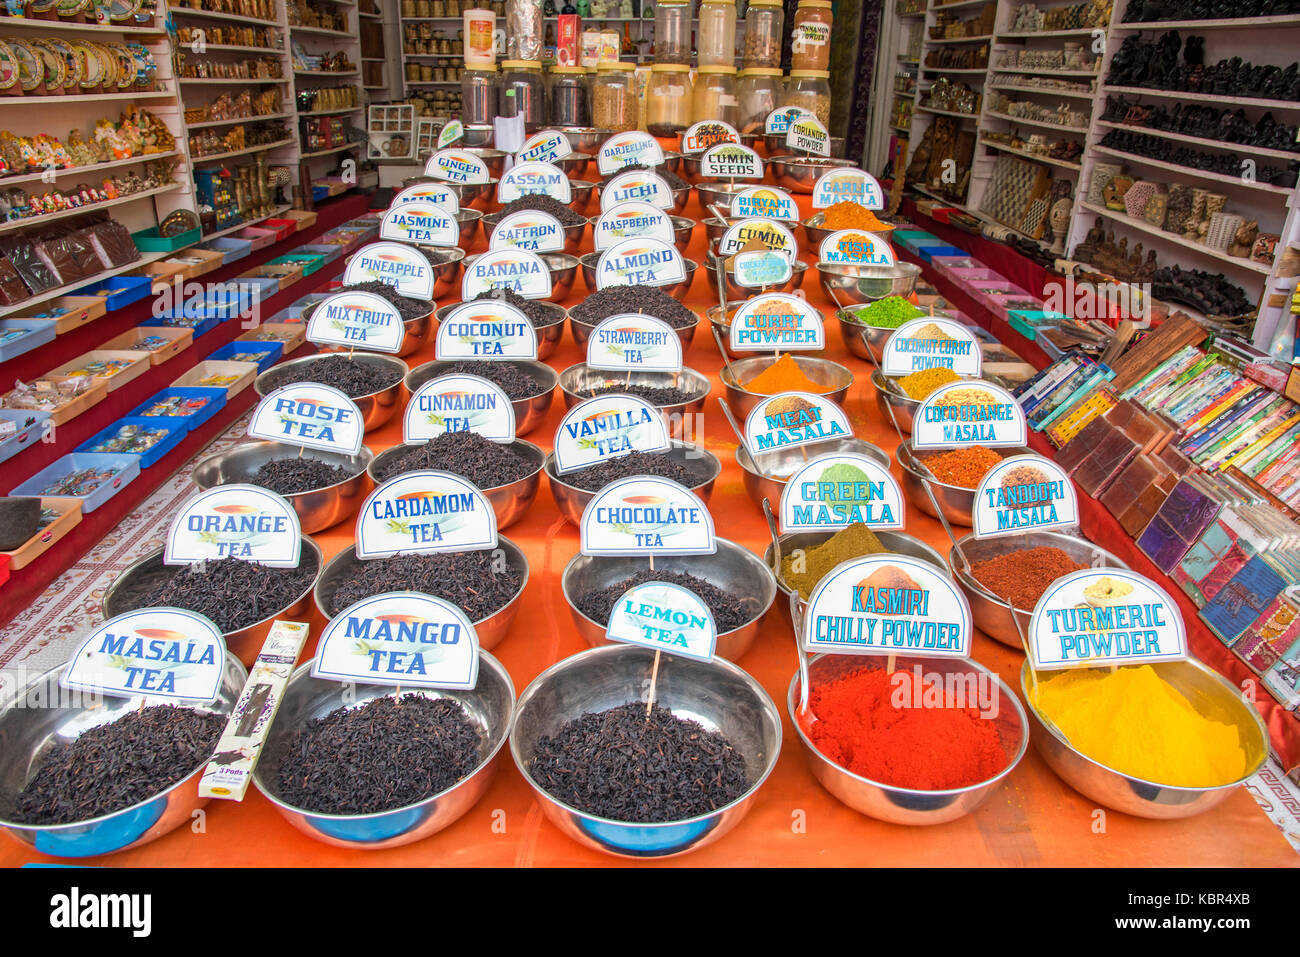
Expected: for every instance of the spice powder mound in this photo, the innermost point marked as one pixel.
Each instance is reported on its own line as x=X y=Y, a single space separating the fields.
x=784 y=375
x=1021 y=577
x=851 y=215
x=964 y=467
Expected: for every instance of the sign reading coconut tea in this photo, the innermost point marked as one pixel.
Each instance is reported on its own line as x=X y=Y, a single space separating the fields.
x=888 y=605
x=310 y=415
x=458 y=403
x=451 y=131
x=528 y=229
x=357 y=320
x=838 y=489
x=639 y=262
x=422 y=512
x=706 y=134
x=665 y=617
x=793 y=418
x=647 y=515
x=1023 y=493
x=971 y=412
x=400 y=638
x=637 y=185
x=394 y=264
x=534 y=179
x=631 y=220
x=544 y=147
x=457 y=166
x=853 y=247
x=779 y=120
x=760 y=268
x=730 y=161
x=486 y=329
x=518 y=270
x=808 y=135
x=421 y=223
x=777 y=321
x=628 y=149
x=1105 y=616
x=765 y=202
x=441 y=196
x=607 y=427
x=159 y=652
x=634 y=341
x=769 y=232
x=847 y=184
x=235 y=521
x=931 y=343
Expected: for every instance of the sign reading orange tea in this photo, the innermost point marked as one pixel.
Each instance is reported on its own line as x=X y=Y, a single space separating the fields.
x=235 y=521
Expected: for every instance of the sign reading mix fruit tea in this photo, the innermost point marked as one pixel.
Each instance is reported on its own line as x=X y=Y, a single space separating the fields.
x=628 y=149
x=730 y=161
x=838 y=489
x=441 y=196
x=421 y=223
x=1022 y=493
x=706 y=134
x=665 y=617
x=855 y=247
x=458 y=403
x=793 y=418
x=395 y=264
x=457 y=166
x=629 y=340
x=639 y=262
x=359 y=320
x=422 y=512
x=647 y=515
x=764 y=202
x=517 y=270
x=528 y=229
x=158 y=652
x=310 y=415
x=534 y=179
x=970 y=412
x=931 y=342
x=637 y=185
x=235 y=521
x=847 y=184
x=770 y=232
x=777 y=321
x=544 y=147
x=607 y=427
x=631 y=220
x=486 y=329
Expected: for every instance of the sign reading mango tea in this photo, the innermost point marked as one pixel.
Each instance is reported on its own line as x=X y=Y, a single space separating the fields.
x=779 y=120
x=458 y=403
x=839 y=489
x=730 y=161
x=765 y=202
x=808 y=135
x=847 y=184
x=311 y=415
x=706 y=134
x=888 y=605
x=1022 y=493
x=357 y=320
x=606 y=427
x=777 y=321
x=421 y=512
x=931 y=343
x=854 y=247
x=793 y=418
x=1105 y=616
x=628 y=149
x=970 y=412
x=771 y=233
x=761 y=268
x=399 y=638
x=631 y=220
x=665 y=617
x=639 y=262
x=534 y=179
x=395 y=264
x=421 y=223
x=235 y=521
x=634 y=341
x=441 y=196
x=544 y=147
x=457 y=166
x=637 y=185
x=528 y=229
x=647 y=515
x=518 y=270
x=158 y=652
x=486 y=329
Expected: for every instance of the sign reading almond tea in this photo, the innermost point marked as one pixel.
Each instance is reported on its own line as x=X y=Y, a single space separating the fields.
x=838 y=489
x=441 y=196
x=235 y=521
x=359 y=320
x=847 y=184
x=793 y=418
x=458 y=403
x=706 y=134
x=1105 y=616
x=665 y=617
x=636 y=185
x=779 y=120
x=528 y=229
x=486 y=329
x=639 y=262
x=931 y=342
x=647 y=515
x=761 y=268
x=777 y=321
x=628 y=149
x=544 y=147
x=395 y=264
x=418 y=513
x=457 y=166
x=518 y=270
x=854 y=247
x=769 y=232
x=311 y=415
x=971 y=412
x=629 y=221
x=1024 y=493
x=765 y=202
x=451 y=131
x=420 y=223
x=158 y=652
x=534 y=179
x=399 y=638
x=887 y=605
x=606 y=427
x=634 y=341
x=730 y=161
x=808 y=135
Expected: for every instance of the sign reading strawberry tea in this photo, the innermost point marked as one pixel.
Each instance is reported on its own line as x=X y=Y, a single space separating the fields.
x=730 y=161
x=1024 y=493
x=235 y=521
x=457 y=166
x=970 y=412
x=634 y=341
x=807 y=134
x=630 y=220
x=529 y=229
x=486 y=329
x=360 y=320
x=848 y=184
x=439 y=195
x=779 y=120
x=793 y=418
x=422 y=512
x=310 y=415
x=706 y=134
x=838 y=489
x=770 y=232
x=518 y=270
x=458 y=403
x=931 y=342
x=544 y=147
x=158 y=652
x=636 y=185
x=395 y=264
x=777 y=321
x=628 y=149
x=665 y=617
x=534 y=179
x=607 y=427
x=855 y=247
x=764 y=202
x=421 y=223
x=647 y=515
x=639 y=262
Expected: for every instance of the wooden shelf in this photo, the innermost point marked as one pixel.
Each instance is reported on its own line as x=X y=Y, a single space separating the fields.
x=960 y=116
x=212 y=15
x=206 y=124
x=331 y=150
x=1141 y=225
x=225 y=48
x=1075 y=32
x=1037 y=158
x=1219 y=100
x=217 y=157
x=1072 y=94
x=949 y=41
x=229 y=80
x=246 y=223
x=81 y=170
x=1202 y=141
x=29 y=305
x=947 y=69
x=1076 y=130
x=941 y=7
x=14 y=225
x=353 y=109
x=326 y=72
x=1240 y=23
x=31 y=23
x=321 y=32
x=1044 y=71
x=84 y=98
x=1223 y=178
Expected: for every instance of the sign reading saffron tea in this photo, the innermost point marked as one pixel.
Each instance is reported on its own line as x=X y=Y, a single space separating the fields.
x=639 y=262
x=360 y=320
x=544 y=147
x=634 y=341
x=665 y=617
x=607 y=427
x=808 y=135
x=418 y=513
x=457 y=166
x=931 y=342
x=534 y=179
x=486 y=329
x=528 y=229
x=847 y=184
x=706 y=134
x=970 y=412
x=421 y=223
x=1024 y=493
x=235 y=521
x=628 y=149
x=630 y=220
x=458 y=403
x=777 y=321
x=637 y=185
x=769 y=232
x=838 y=489
x=779 y=120
x=311 y=415
x=395 y=264
x=647 y=515
x=855 y=247
x=518 y=270
x=159 y=652
x=441 y=196
x=764 y=202
x=730 y=161
x=759 y=268
x=793 y=418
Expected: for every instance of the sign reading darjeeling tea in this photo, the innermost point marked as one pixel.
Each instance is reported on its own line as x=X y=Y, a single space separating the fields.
x=931 y=342
x=360 y=320
x=311 y=415
x=1024 y=493
x=441 y=196
x=518 y=270
x=793 y=418
x=544 y=147
x=628 y=149
x=534 y=179
x=764 y=202
x=457 y=166
x=855 y=247
x=847 y=184
x=458 y=403
x=770 y=232
x=422 y=512
x=486 y=329
x=808 y=135
x=730 y=161
x=395 y=264
x=639 y=262
x=838 y=489
x=629 y=221
x=421 y=223
x=1105 y=616
x=761 y=268
x=779 y=120
x=528 y=229
x=159 y=652
x=665 y=617
x=637 y=185
x=400 y=638
x=706 y=134
x=634 y=341
x=647 y=515
x=970 y=412
x=451 y=131
x=235 y=521
x=607 y=427
x=777 y=321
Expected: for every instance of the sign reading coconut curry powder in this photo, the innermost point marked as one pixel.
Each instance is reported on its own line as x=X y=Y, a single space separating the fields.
x=847 y=184
x=159 y=652
x=793 y=418
x=423 y=512
x=421 y=223
x=706 y=134
x=764 y=202
x=310 y=415
x=628 y=149
x=457 y=166
x=486 y=329
x=647 y=515
x=631 y=220
x=838 y=489
x=359 y=320
x=235 y=521
x=458 y=403
x=730 y=161
x=534 y=179
x=777 y=321
x=970 y=412
x=634 y=341
x=1023 y=493
x=607 y=427
x=931 y=343
x=665 y=617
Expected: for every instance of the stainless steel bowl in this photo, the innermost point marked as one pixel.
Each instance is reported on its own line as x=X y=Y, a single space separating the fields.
x=815 y=231
x=716 y=694
x=736 y=291
x=562 y=267
x=774 y=144
x=898 y=543
x=798 y=174
x=904 y=406
x=548 y=334
x=529 y=411
x=580 y=190
x=494 y=159
x=490 y=707
x=30 y=727
x=573 y=164
x=317 y=509
x=673 y=162
x=719 y=194
x=478 y=135
x=861 y=340
x=956 y=502
x=376 y=408
x=677 y=290
x=715 y=228
x=585 y=139
x=582 y=330
x=854 y=285
x=470 y=223
x=723 y=326
x=831 y=375
x=578 y=379
x=766 y=479
x=447 y=261
x=572 y=501
x=573 y=235
x=897 y=805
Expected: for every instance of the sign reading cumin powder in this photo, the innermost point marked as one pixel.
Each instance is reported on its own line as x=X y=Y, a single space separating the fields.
x=607 y=427
x=769 y=232
x=159 y=652
x=634 y=341
x=486 y=329
x=838 y=489
x=931 y=343
x=647 y=515
x=968 y=413
x=310 y=415
x=777 y=322
x=458 y=403
x=794 y=418
x=235 y=521
x=1023 y=493
x=424 y=512
x=665 y=617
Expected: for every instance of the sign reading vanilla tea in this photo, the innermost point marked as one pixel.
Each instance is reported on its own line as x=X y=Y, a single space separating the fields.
x=544 y=147
x=458 y=403
x=931 y=342
x=854 y=247
x=730 y=161
x=457 y=166
x=970 y=412
x=607 y=427
x=534 y=179
x=808 y=135
x=633 y=148
x=793 y=418
x=360 y=320
x=310 y=415
x=157 y=652
x=637 y=185
x=887 y=605
x=761 y=268
x=1023 y=493
x=418 y=513
x=647 y=515
x=665 y=617
x=631 y=220
x=634 y=341
x=706 y=134
x=486 y=329
x=770 y=232
x=639 y=262
x=528 y=229
x=777 y=321
x=838 y=489
x=395 y=264
x=421 y=223
x=518 y=270
x=850 y=185
x=779 y=120
x=235 y=521
x=764 y=202
x=444 y=197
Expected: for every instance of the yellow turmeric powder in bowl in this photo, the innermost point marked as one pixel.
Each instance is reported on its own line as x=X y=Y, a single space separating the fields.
x=851 y=215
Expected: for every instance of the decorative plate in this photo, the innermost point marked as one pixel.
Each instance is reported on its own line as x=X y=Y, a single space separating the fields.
x=92 y=73
x=107 y=63
x=56 y=69
x=122 y=9
x=75 y=70
x=31 y=68
x=41 y=6
x=70 y=8
x=125 y=65
x=10 y=67
x=178 y=222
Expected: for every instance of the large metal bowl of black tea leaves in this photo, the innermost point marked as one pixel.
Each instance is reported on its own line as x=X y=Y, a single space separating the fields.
x=571 y=497
x=529 y=409
x=716 y=695
x=376 y=406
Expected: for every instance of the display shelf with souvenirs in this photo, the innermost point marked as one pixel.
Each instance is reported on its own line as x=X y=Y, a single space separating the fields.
x=325 y=50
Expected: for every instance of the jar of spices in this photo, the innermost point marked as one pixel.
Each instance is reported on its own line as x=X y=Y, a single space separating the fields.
x=763 y=23
x=524 y=77
x=570 y=96
x=760 y=91
x=672 y=36
x=613 y=99
x=716 y=37
x=437 y=8
x=810 y=89
x=668 y=99
x=810 y=37
x=714 y=97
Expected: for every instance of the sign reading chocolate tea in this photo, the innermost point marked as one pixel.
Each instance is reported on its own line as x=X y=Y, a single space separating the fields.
x=634 y=341
x=395 y=264
x=311 y=415
x=838 y=489
x=159 y=652
x=639 y=262
x=628 y=149
x=528 y=229
x=441 y=196
x=421 y=223
x=235 y=521
x=931 y=342
x=777 y=321
x=887 y=605
x=486 y=329
x=637 y=185
x=1023 y=493
x=399 y=638
x=707 y=134
x=730 y=161
x=759 y=268
x=854 y=247
x=544 y=147
x=765 y=202
x=771 y=233
x=647 y=515
x=665 y=617
x=518 y=270
x=848 y=184
x=607 y=427
x=793 y=418
x=534 y=179
x=808 y=135
x=630 y=220
x=971 y=412
x=421 y=512
x=457 y=166
x=458 y=403
x=779 y=120
x=1105 y=616
x=360 y=320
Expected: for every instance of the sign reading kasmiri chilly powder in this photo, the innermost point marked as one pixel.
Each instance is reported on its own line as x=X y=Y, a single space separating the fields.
x=458 y=403
x=931 y=343
x=777 y=322
x=395 y=264
x=518 y=270
x=235 y=521
x=838 y=489
x=359 y=320
x=310 y=415
x=1024 y=493
x=607 y=427
x=970 y=412
x=665 y=617
x=159 y=652
x=486 y=329
x=423 y=512
x=632 y=340
x=647 y=515
x=421 y=223
x=793 y=418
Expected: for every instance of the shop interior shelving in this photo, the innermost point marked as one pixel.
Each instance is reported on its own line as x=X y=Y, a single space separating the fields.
x=374 y=26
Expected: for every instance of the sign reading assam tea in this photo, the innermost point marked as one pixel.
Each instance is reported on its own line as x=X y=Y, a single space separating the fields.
x=486 y=329
x=235 y=521
x=310 y=415
x=534 y=179
x=1023 y=493
x=158 y=652
x=360 y=320
x=665 y=617
x=423 y=512
x=647 y=515
x=931 y=342
x=634 y=341
x=838 y=489
x=607 y=427
x=793 y=418
x=458 y=403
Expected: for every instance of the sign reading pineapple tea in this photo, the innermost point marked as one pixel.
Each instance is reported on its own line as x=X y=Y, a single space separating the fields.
x=395 y=264
x=458 y=403
x=665 y=617
x=310 y=415
x=486 y=329
x=931 y=342
x=730 y=161
x=631 y=220
x=777 y=321
x=528 y=229
x=854 y=247
x=457 y=166
x=359 y=320
x=418 y=513
x=1105 y=616
x=157 y=652
x=399 y=638
x=761 y=268
x=647 y=515
x=235 y=521
x=779 y=120
x=808 y=135
x=639 y=262
x=637 y=185
x=771 y=233
x=534 y=179
x=606 y=427
x=518 y=270
x=421 y=223
x=887 y=605
x=793 y=418
x=1023 y=493
x=439 y=195
x=706 y=134
x=970 y=412
x=765 y=202
x=630 y=341
x=544 y=147
x=628 y=149
x=848 y=184
x=838 y=489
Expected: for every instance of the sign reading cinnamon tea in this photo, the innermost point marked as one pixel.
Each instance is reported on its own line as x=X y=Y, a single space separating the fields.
x=647 y=515
x=518 y=270
x=534 y=179
x=458 y=403
x=847 y=184
x=246 y=522
x=528 y=229
x=310 y=415
x=730 y=161
x=706 y=134
x=1023 y=493
x=665 y=617
x=793 y=418
x=777 y=321
x=631 y=220
x=157 y=652
x=544 y=147
x=634 y=341
x=970 y=412
x=770 y=232
x=637 y=185
x=639 y=262
x=764 y=202
x=395 y=264
x=855 y=247
x=607 y=427
x=418 y=513
x=441 y=196
x=486 y=329
x=421 y=223
x=457 y=166
x=839 y=489
x=359 y=320
x=633 y=148
x=931 y=342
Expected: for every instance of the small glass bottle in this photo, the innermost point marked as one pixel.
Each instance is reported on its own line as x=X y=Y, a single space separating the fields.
x=763 y=22
x=810 y=89
x=668 y=99
x=716 y=37
x=570 y=96
x=810 y=36
x=760 y=91
x=672 y=35
x=714 y=97
x=613 y=99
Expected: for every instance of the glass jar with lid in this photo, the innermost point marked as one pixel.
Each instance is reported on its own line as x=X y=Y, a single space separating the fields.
x=716 y=36
x=668 y=99
x=760 y=91
x=672 y=37
x=763 y=24
x=810 y=36
x=810 y=89
x=613 y=97
x=523 y=78
x=570 y=96
x=714 y=97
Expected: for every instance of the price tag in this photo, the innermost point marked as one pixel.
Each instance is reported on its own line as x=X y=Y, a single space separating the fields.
x=418 y=513
x=793 y=418
x=528 y=229
x=758 y=268
x=607 y=427
x=628 y=149
x=706 y=134
x=395 y=264
x=931 y=342
x=235 y=521
x=534 y=179
x=1024 y=493
x=357 y=319
x=777 y=321
x=808 y=135
x=458 y=403
x=637 y=185
x=838 y=489
x=730 y=161
x=854 y=247
x=647 y=515
x=518 y=270
x=486 y=329
x=665 y=617
x=779 y=120
x=764 y=202
x=631 y=220
x=847 y=184
x=634 y=341
x=457 y=166
x=544 y=147
x=441 y=196
x=420 y=223
x=968 y=413
x=310 y=415
x=770 y=232
x=639 y=262
x=451 y=131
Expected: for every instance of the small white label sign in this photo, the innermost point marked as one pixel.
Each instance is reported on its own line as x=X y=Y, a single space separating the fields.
x=706 y=134
x=156 y=652
x=634 y=341
x=457 y=166
x=665 y=617
x=235 y=521
x=637 y=185
x=451 y=131
x=423 y=512
x=793 y=418
x=518 y=270
x=359 y=320
x=528 y=229
x=441 y=196
x=395 y=264
x=761 y=268
x=544 y=147
x=628 y=149
x=647 y=515
x=931 y=342
x=770 y=232
x=854 y=247
x=968 y=413
x=486 y=329
x=420 y=223
x=847 y=184
x=777 y=321
x=631 y=220
x=639 y=262
x=730 y=161
x=838 y=489
x=779 y=120
x=534 y=179
x=311 y=415
x=607 y=427
x=1024 y=493
x=764 y=202
x=808 y=135
x=459 y=403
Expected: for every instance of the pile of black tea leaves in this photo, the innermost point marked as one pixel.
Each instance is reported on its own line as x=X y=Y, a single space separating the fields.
x=351 y=376
x=595 y=477
x=542 y=204
x=672 y=179
x=485 y=463
x=476 y=582
x=408 y=307
x=650 y=300
x=232 y=592
x=539 y=312
x=291 y=476
x=729 y=612
x=656 y=395
x=515 y=382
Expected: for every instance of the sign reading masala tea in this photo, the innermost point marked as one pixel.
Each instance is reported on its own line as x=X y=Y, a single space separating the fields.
x=838 y=489
x=793 y=418
x=665 y=617
x=931 y=342
x=158 y=652
x=1023 y=493
x=970 y=412
x=647 y=515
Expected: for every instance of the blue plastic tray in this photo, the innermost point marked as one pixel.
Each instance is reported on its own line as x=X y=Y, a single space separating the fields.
x=199 y=325
x=26 y=435
x=259 y=287
x=230 y=247
x=217 y=399
x=221 y=301
x=271 y=352
x=929 y=252
x=40 y=331
x=124 y=290
x=175 y=428
x=128 y=466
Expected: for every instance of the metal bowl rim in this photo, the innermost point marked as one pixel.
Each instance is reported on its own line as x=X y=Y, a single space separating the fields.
x=969 y=580
x=365 y=453
x=302 y=360
x=698 y=379
x=537 y=448
x=728 y=379
x=534 y=362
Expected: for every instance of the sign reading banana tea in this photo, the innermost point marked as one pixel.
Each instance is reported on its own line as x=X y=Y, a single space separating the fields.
x=457 y=166
x=706 y=134
x=486 y=329
x=421 y=223
x=637 y=185
x=631 y=220
x=528 y=229
x=777 y=322
x=970 y=412
x=156 y=652
x=607 y=427
x=647 y=515
x=766 y=202
x=235 y=521
x=931 y=342
x=310 y=415
x=395 y=264
x=458 y=403
x=1024 y=493
x=418 y=513
x=729 y=161
x=639 y=262
x=771 y=233
x=633 y=341
x=665 y=617
x=839 y=489
x=534 y=179
x=544 y=147
x=628 y=149
x=853 y=247
x=517 y=270
x=793 y=418
x=848 y=184
x=359 y=320
x=444 y=197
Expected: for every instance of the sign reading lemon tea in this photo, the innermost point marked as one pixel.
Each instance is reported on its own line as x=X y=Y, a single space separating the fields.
x=544 y=147
x=971 y=412
x=931 y=342
x=534 y=179
x=777 y=321
x=528 y=229
x=647 y=515
x=418 y=513
x=706 y=134
x=517 y=270
x=838 y=489
x=770 y=232
x=159 y=652
x=486 y=329
x=631 y=220
x=639 y=262
x=1024 y=493
x=730 y=161
x=665 y=617
x=395 y=264
x=235 y=521
x=808 y=135
x=421 y=223
x=853 y=247
x=779 y=120
x=634 y=341
x=637 y=185
x=607 y=427
x=457 y=166
x=628 y=149
x=360 y=320
x=439 y=195
x=458 y=403
x=310 y=415
x=848 y=184
x=765 y=202
x=793 y=418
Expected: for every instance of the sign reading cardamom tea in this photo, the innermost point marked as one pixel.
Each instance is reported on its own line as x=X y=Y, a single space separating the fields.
x=419 y=513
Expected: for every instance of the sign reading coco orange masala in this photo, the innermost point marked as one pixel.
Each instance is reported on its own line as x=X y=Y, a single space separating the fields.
x=631 y=220
x=634 y=341
x=665 y=617
x=458 y=403
x=235 y=521
x=855 y=247
x=931 y=342
x=647 y=515
x=420 y=222
x=486 y=329
x=1024 y=493
x=607 y=427
x=706 y=134
x=730 y=161
x=777 y=321
x=310 y=415
x=847 y=185
x=360 y=320
x=764 y=202
x=159 y=652
x=839 y=489
x=518 y=270
x=970 y=412
x=534 y=179
x=793 y=418
x=628 y=149
x=422 y=512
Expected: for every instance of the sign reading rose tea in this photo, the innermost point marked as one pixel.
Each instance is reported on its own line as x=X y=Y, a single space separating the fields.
x=159 y=652
x=394 y=264
x=628 y=149
x=793 y=418
x=706 y=134
x=607 y=427
x=971 y=412
x=645 y=515
x=665 y=617
x=779 y=120
x=421 y=512
x=528 y=229
x=1023 y=493
x=777 y=321
x=634 y=341
x=838 y=489
x=771 y=233
x=458 y=403
x=486 y=329
x=457 y=166
x=420 y=222
x=730 y=161
x=1105 y=616
x=534 y=179
x=760 y=268
x=765 y=202
x=856 y=248
x=637 y=185
x=310 y=415
x=887 y=605
x=360 y=320
x=235 y=521
x=544 y=147
x=441 y=196
x=631 y=220
x=808 y=135
x=518 y=270
x=848 y=184
x=639 y=262
x=931 y=342
x=400 y=638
